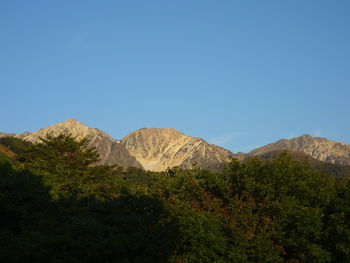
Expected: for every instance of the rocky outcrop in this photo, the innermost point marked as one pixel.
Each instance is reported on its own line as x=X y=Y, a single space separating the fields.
x=111 y=151
x=318 y=148
x=158 y=149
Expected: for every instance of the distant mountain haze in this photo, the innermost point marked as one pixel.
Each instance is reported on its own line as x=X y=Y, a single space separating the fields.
x=157 y=149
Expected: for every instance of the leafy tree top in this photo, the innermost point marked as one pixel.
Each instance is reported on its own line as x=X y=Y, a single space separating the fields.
x=59 y=153
x=67 y=167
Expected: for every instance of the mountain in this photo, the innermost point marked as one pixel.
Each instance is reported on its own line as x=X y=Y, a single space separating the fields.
x=157 y=149
x=111 y=151
x=149 y=148
x=318 y=148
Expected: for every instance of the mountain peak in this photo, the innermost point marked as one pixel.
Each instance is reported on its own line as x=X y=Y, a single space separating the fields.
x=71 y=121
x=306 y=136
x=110 y=150
x=159 y=148
x=71 y=126
x=319 y=148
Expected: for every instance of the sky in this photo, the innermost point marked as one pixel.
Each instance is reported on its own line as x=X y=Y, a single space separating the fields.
x=239 y=74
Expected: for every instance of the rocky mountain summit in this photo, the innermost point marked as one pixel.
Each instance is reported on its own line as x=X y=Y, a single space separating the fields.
x=158 y=149
x=151 y=149
x=111 y=151
x=319 y=148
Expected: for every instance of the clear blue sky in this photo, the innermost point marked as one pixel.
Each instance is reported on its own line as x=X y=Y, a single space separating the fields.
x=236 y=73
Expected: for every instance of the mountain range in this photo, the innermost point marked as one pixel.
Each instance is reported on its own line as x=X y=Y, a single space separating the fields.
x=157 y=149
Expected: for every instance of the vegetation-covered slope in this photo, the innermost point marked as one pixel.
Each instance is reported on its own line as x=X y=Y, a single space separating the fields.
x=57 y=206
x=337 y=170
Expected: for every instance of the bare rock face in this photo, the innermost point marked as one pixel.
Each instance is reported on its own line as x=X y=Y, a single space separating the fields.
x=159 y=149
x=111 y=151
x=318 y=148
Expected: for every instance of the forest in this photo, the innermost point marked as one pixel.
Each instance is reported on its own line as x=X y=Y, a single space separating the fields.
x=57 y=206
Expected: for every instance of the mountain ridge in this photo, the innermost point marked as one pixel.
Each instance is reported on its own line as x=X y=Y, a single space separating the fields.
x=157 y=149
x=180 y=150
x=111 y=151
x=319 y=148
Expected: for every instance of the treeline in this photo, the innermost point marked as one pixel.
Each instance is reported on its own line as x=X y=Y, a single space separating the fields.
x=56 y=206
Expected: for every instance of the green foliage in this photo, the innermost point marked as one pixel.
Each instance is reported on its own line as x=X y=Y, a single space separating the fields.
x=337 y=231
x=66 y=167
x=63 y=152
x=57 y=205
x=293 y=196
x=136 y=175
x=5 y=165
x=15 y=145
x=36 y=228
x=213 y=226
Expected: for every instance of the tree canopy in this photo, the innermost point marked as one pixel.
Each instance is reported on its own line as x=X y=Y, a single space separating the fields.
x=58 y=205
x=67 y=167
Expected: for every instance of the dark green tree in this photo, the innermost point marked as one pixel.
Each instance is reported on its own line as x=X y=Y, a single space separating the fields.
x=214 y=226
x=68 y=167
x=337 y=224
x=58 y=206
x=294 y=196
